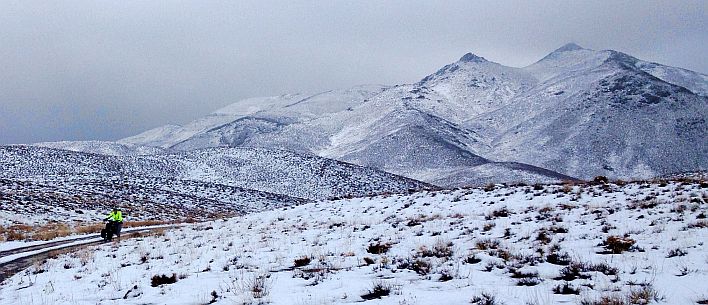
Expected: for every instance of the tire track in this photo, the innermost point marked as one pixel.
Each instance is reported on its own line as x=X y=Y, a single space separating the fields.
x=44 y=245
x=12 y=267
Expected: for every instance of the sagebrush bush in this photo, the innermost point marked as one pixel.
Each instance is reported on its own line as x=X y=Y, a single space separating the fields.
x=378 y=248
x=379 y=290
x=676 y=252
x=302 y=261
x=158 y=280
x=566 y=288
x=617 y=244
x=485 y=299
x=440 y=249
x=487 y=244
x=418 y=265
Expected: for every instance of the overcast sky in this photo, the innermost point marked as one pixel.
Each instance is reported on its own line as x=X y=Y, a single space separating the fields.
x=77 y=70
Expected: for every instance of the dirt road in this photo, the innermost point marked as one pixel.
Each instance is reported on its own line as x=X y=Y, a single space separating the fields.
x=54 y=249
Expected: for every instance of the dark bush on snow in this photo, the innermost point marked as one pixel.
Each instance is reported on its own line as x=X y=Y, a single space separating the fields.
x=303 y=261
x=420 y=266
x=158 y=280
x=379 y=290
x=485 y=299
x=617 y=244
x=379 y=248
x=566 y=288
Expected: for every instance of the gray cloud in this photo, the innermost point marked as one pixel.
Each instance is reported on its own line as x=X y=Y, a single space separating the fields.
x=74 y=70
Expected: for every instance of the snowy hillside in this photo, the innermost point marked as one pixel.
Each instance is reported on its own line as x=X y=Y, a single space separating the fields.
x=575 y=113
x=87 y=198
x=39 y=184
x=273 y=171
x=637 y=243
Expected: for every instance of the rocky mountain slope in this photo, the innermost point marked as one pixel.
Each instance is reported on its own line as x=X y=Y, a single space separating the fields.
x=575 y=113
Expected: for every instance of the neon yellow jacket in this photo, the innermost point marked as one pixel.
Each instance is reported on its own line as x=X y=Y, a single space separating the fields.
x=115 y=216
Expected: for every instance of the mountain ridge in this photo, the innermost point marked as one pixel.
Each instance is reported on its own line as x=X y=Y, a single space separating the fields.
x=475 y=109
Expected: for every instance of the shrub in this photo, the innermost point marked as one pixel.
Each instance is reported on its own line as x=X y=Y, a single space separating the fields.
x=530 y=281
x=158 y=280
x=643 y=295
x=501 y=253
x=676 y=252
x=51 y=231
x=88 y=229
x=379 y=290
x=485 y=299
x=487 y=244
x=561 y=259
x=259 y=286
x=558 y=229
x=369 y=260
x=519 y=274
x=646 y=203
x=15 y=235
x=440 y=250
x=378 y=248
x=543 y=237
x=576 y=271
x=472 y=259
x=420 y=266
x=303 y=261
x=617 y=244
x=503 y=212
x=602 y=268
x=566 y=288
x=489 y=187
x=488 y=226
x=572 y=272
x=445 y=276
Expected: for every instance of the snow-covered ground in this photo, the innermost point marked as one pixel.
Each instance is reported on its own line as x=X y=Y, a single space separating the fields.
x=515 y=244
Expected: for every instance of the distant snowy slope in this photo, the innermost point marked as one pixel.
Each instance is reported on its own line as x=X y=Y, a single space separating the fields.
x=696 y=82
x=103 y=147
x=156 y=137
x=280 y=172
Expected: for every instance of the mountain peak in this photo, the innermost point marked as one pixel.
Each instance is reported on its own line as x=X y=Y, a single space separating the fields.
x=469 y=57
x=569 y=47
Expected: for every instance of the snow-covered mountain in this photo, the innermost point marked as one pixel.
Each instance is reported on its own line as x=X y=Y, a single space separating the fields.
x=575 y=113
x=602 y=115
x=256 y=115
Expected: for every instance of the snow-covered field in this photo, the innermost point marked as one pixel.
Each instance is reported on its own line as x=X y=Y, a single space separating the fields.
x=513 y=244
